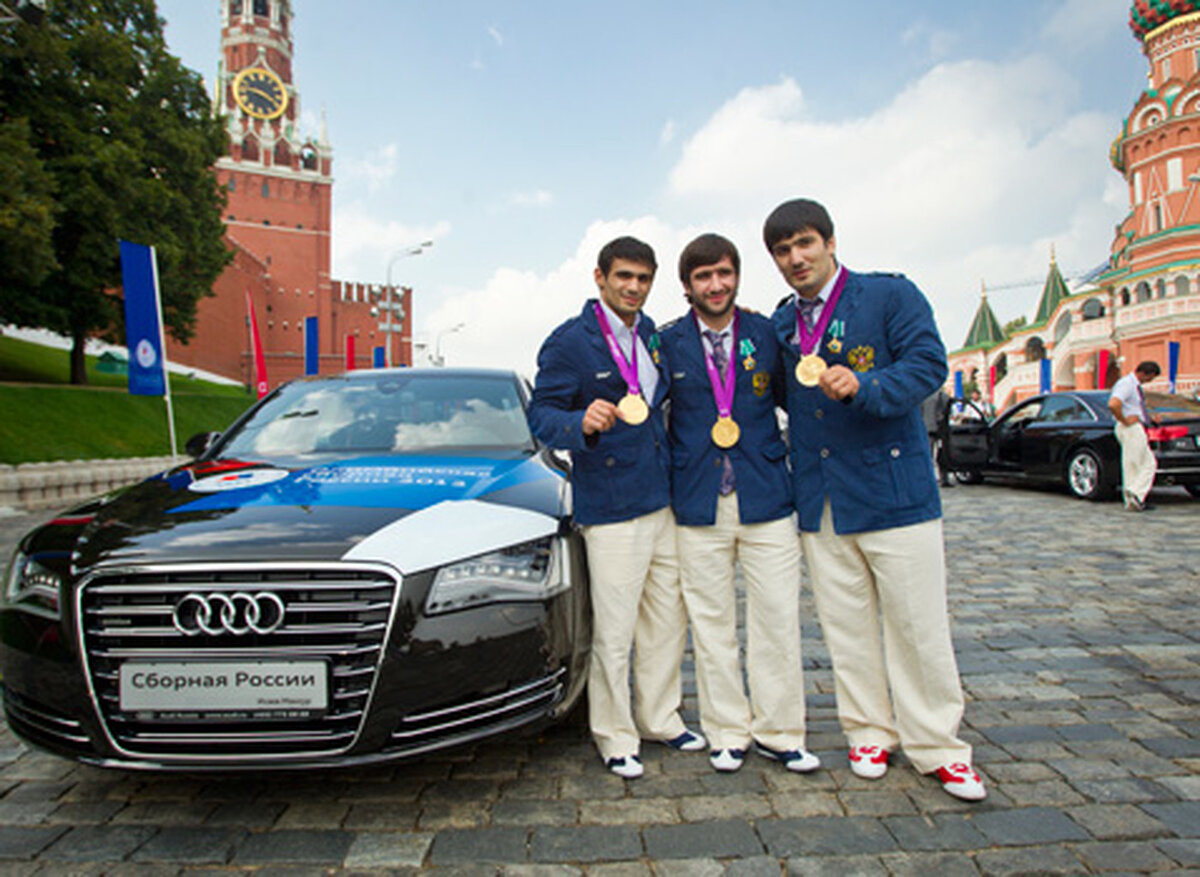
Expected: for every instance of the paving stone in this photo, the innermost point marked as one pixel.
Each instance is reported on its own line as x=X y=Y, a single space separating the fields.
x=163 y=813
x=1027 y=826
x=306 y=846
x=1130 y=790
x=1088 y=769
x=1018 y=772
x=1182 y=852
x=925 y=864
x=620 y=869
x=245 y=814
x=1117 y=821
x=1030 y=860
x=824 y=836
x=388 y=849
x=30 y=813
x=730 y=838
x=25 y=843
x=802 y=805
x=400 y=816
x=190 y=846
x=754 y=866
x=313 y=814
x=836 y=866
x=876 y=803
x=1135 y=857
x=459 y=814
x=692 y=868
x=533 y=813
x=586 y=843
x=707 y=808
x=1182 y=818
x=629 y=811
x=98 y=843
x=31 y=792
x=1053 y=793
x=948 y=831
x=1187 y=787
x=1004 y=734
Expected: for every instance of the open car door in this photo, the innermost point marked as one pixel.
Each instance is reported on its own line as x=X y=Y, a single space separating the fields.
x=966 y=441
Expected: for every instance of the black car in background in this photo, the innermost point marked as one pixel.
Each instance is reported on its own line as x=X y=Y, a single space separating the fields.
x=362 y=568
x=1067 y=438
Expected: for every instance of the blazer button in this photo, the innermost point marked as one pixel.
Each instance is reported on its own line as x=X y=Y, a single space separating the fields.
x=610 y=462
x=818 y=414
x=717 y=461
x=824 y=453
x=895 y=452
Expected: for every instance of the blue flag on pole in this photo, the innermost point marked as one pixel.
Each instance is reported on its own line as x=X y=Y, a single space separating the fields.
x=1172 y=362
x=1044 y=384
x=143 y=320
x=311 y=347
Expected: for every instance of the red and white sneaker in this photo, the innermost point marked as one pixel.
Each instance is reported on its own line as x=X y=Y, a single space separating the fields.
x=868 y=762
x=960 y=781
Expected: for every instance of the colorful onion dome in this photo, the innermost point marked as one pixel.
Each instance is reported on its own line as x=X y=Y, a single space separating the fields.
x=1146 y=15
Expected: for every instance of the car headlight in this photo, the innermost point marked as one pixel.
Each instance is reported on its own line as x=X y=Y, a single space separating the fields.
x=529 y=571
x=31 y=586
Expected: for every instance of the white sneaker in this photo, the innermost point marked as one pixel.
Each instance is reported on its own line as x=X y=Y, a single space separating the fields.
x=868 y=762
x=960 y=781
x=629 y=767
x=796 y=760
x=688 y=741
x=727 y=760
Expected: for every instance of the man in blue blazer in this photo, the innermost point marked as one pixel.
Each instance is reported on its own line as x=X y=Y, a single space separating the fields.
x=731 y=493
x=861 y=352
x=601 y=384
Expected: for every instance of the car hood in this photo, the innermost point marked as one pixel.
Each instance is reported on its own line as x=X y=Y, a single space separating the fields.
x=411 y=512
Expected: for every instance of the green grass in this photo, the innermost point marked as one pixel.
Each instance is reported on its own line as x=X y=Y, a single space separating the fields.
x=44 y=418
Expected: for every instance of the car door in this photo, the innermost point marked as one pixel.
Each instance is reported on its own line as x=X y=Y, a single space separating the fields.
x=1008 y=446
x=966 y=442
x=1045 y=436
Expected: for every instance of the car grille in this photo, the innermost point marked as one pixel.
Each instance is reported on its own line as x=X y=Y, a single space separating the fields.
x=509 y=708
x=331 y=614
x=36 y=721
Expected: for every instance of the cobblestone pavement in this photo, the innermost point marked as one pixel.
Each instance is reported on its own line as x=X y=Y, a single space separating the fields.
x=1078 y=638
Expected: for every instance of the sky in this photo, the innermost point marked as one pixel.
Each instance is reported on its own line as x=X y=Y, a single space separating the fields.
x=955 y=142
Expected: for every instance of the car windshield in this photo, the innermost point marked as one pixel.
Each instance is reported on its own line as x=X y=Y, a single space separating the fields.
x=387 y=413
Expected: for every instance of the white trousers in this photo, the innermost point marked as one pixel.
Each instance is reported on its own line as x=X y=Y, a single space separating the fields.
x=881 y=599
x=770 y=557
x=636 y=602
x=1138 y=465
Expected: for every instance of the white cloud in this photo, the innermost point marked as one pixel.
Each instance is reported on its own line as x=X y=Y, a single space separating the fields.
x=939 y=43
x=951 y=181
x=363 y=244
x=667 y=134
x=377 y=169
x=496 y=36
x=536 y=198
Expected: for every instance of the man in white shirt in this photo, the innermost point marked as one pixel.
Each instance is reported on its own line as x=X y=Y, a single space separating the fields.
x=1128 y=406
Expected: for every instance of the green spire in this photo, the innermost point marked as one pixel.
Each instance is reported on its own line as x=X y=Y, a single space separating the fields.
x=1053 y=292
x=985 y=328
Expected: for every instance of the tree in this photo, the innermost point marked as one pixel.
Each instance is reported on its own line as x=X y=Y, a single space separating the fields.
x=1013 y=325
x=127 y=139
x=27 y=211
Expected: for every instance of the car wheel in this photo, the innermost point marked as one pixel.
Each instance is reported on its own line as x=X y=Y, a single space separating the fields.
x=1193 y=489
x=968 y=476
x=1085 y=474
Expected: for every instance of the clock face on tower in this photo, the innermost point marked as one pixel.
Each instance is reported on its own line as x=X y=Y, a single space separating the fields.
x=260 y=93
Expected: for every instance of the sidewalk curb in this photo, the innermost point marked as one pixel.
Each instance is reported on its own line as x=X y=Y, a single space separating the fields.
x=34 y=486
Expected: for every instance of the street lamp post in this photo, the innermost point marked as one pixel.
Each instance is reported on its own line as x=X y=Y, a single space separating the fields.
x=437 y=348
x=414 y=250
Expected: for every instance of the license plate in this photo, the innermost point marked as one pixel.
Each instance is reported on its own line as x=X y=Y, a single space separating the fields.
x=233 y=687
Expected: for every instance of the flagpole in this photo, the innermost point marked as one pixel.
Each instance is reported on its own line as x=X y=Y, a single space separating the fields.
x=162 y=345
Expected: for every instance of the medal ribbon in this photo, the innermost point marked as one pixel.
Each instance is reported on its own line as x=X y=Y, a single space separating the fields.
x=722 y=386
x=809 y=342
x=627 y=368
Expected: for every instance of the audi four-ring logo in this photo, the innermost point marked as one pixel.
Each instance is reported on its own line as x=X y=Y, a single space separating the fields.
x=238 y=613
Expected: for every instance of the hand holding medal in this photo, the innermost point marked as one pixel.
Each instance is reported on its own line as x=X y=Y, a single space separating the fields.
x=811 y=366
x=632 y=408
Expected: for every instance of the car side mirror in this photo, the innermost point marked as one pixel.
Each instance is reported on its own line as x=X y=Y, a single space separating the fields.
x=198 y=445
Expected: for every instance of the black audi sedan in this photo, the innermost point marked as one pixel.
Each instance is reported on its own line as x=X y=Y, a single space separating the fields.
x=362 y=568
x=1067 y=438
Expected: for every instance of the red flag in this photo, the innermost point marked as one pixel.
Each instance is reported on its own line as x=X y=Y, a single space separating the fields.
x=349 y=353
x=1101 y=369
x=260 y=362
x=992 y=384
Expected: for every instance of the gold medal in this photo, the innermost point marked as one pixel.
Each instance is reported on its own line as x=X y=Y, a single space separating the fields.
x=809 y=368
x=726 y=432
x=633 y=409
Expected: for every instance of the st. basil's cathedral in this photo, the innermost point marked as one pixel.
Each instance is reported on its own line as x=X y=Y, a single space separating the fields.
x=1144 y=304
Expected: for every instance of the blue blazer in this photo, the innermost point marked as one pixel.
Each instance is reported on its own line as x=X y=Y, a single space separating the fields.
x=759 y=458
x=616 y=475
x=869 y=456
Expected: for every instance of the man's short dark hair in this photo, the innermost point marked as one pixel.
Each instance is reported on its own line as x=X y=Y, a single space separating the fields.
x=628 y=248
x=1149 y=367
x=708 y=249
x=792 y=217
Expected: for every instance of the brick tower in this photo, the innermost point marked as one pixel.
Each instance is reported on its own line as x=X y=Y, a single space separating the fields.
x=278 y=220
